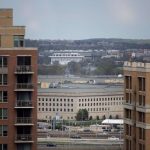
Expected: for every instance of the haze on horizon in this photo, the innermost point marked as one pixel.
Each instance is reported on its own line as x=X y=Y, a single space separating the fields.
x=82 y=19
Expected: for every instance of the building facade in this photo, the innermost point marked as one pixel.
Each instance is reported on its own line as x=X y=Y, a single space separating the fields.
x=65 y=102
x=137 y=106
x=64 y=58
x=18 y=92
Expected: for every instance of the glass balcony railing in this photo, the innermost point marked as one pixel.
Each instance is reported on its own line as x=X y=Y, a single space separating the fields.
x=24 y=103
x=24 y=120
x=24 y=69
x=24 y=86
x=23 y=138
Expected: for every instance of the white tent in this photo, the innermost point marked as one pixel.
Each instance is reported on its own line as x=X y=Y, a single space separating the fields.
x=113 y=121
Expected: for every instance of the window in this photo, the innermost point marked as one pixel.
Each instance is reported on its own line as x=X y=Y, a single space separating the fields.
x=18 y=41
x=128 y=113
x=3 y=147
x=128 y=144
x=142 y=133
x=142 y=100
x=141 y=82
x=128 y=82
x=3 y=96
x=3 y=113
x=3 y=130
x=3 y=79
x=141 y=117
x=3 y=61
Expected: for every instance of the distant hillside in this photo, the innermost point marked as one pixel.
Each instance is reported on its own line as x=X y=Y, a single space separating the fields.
x=121 y=44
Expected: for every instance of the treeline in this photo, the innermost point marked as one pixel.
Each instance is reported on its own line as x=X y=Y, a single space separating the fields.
x=121 y=44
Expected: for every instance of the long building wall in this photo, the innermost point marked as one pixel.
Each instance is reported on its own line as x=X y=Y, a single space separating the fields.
x=49 y=105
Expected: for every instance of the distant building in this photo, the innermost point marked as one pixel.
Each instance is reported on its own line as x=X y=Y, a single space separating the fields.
x=66 y=100
x=18 y=90
x=137 y=106
x=64 y=58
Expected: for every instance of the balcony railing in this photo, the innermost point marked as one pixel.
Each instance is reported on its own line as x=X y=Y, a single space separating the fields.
x=24 y=103
x=23 y=138
x=24 y=86
x=23 y=120
x=24 y=69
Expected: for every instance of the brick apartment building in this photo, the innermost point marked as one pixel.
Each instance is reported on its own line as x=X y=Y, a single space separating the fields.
x=137 y=106
x=18 y=90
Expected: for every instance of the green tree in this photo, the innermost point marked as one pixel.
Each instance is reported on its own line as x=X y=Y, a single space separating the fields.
x=90 y=118
x=97 y=117
x=104 y=117
x=82 y=114
x=110 y=117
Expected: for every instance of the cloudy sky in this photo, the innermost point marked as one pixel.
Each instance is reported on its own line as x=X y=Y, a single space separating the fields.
x=82 y=19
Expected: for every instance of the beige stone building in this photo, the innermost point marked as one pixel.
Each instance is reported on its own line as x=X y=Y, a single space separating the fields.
x=137 y=106
x=65 y=101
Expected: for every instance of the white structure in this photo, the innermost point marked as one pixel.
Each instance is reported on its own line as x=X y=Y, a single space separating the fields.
x=65 y=58
x=113 y=121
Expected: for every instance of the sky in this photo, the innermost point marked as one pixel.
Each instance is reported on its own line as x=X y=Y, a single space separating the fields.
x=82 y=19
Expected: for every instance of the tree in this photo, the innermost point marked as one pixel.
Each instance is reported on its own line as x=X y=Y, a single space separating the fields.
x=90 y=118
x=97 y=117
x=110 y=117
x=82 y=114
x=117 y=116
x=104 y=117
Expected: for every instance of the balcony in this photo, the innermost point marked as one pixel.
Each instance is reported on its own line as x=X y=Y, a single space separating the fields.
x=145 y=109
x=24 y=69
x=23 y=138
x=24 y=104
x=21 y=121
x=130 y=106
x=24 y=87
x=142 y=125
x=128 y=121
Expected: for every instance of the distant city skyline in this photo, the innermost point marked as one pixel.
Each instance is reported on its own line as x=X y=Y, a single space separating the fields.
x=82 y=19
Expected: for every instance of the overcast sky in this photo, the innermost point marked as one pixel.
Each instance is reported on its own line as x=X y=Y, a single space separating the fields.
x=82 y=19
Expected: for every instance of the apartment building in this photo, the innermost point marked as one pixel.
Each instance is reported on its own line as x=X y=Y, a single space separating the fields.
x=137 y=106
x=18 y=93
x=65 y=102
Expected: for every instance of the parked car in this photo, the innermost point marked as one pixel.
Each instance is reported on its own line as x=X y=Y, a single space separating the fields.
x=76 y=137
x=51 y=145
x=113 y=138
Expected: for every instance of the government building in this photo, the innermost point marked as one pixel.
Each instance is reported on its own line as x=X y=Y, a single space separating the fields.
x=137 y=106
x=63 y=58
x=65 y=100
x=18 y=87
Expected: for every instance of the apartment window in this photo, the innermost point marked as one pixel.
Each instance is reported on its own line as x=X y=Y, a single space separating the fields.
x=24 y=60
x=128 y=113
x=128 y=144
x=141 y=146
x=141 y=82
x=128 y=82
x=3 y=96
x=142 y=100
x=18 y=41
x=3 y=130
x=3 y=147
x=142 y=133
x=3 y=61
x=3 y=113
x=141 y=117
x=3 y=79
